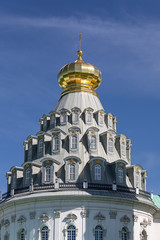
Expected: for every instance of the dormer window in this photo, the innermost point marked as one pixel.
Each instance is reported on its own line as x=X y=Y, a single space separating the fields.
x=98 y=172
x=56 y=142
x=14 y=179
x=75 y=115
x=89 y=116
x=40 y=146
x=110 y=121
x=110 y=145
x=52 y=120
x=93 y=142
x=101 y=118
x=48 y=173
x=74 y=139
x=63 y=117
x=71 y=169
x=120 y=175
x=74 y=142
x=92 y=139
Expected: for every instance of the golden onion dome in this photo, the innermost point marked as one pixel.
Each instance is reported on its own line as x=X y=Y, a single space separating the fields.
x=79 y=76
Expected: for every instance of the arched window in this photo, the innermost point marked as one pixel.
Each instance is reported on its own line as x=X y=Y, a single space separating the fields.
x=93 y=144
x=101 y=118
x=71 y=233
x=75 y=116
x=63 y=117
x=14 y=180
x=110 y=122
x=28 y=173
x=74 y=142
x=72 y=171
x=88 y=116
x=98 y=172
x=123 y=149
x=22 y=235
x=48 y=174
x=110 y=145
x=124 y=234
x=56 y=144
x=98 y=233
x=120 y=175
x=44 y=233
x=144 y=235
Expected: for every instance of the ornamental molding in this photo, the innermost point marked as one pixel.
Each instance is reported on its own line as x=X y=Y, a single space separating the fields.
x=113 y=214
x=125 y=219
x=32 y=215
x=13 y=218
x=135 y=218
x=144 y=224
x=21 y=219
x=85 y=213
x=99 y=217
x=57 y=213
x=43 y=217
x=71 y=216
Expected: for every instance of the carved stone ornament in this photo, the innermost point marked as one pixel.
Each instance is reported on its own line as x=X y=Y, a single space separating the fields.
x=32 y=215
x=71 y=216
x=84 y=213
x=125 y=219
x=57 y=213
x=113 y=214
x=43 y=218
x=13 y=218
x=144 y=223
x=135 y=218
x=6 y=223
x=21 y=219
x=99 y=217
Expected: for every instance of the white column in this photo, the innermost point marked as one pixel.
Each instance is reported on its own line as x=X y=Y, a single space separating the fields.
x=56 y=233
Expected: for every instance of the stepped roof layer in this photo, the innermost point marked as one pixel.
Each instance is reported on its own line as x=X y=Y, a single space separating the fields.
x=156 y=200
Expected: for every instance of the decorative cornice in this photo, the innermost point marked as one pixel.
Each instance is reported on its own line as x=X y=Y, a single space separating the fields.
x=71 y=216
x=99 y=217
x=125 y=219
x=43 y=217
x=21 y=219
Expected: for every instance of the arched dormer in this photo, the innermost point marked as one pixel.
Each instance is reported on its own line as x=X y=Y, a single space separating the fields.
x=92 y=137
x=75 y=115
x=71 y=168
x=74 y=139
x=64 y=113
x=88 y=115
x=97 y=169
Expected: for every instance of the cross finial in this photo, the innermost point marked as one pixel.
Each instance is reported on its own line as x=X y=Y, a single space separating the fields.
x=79 y=41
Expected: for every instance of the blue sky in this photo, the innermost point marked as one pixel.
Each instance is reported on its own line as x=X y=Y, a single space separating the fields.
x=122 y=38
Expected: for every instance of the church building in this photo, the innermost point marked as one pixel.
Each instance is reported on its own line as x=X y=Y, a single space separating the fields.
x=77 y=181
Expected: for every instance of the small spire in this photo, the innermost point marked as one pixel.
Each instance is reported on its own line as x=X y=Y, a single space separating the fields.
x=79 y=52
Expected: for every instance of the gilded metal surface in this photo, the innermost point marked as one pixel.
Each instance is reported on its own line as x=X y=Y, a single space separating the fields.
x=79 y=75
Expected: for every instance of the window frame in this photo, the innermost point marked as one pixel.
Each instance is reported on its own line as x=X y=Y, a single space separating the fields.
x=97 y=172
x=45 y=230
x=71 y=232
x=99 y=233
x=27 y=176
x=120 y=175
